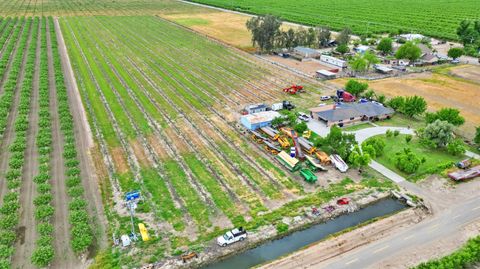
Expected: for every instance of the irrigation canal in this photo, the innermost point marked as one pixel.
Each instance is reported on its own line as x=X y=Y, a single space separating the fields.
x=290 y=243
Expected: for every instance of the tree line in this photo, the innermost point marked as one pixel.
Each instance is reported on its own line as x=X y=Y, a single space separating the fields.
x=267 y=35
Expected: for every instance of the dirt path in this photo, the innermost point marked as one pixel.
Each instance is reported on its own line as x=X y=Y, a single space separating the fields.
x=26 y=228
x=84 y=141
x=65 y=257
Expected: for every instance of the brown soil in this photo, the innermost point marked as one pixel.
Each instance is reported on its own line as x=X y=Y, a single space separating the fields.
x=227 y=27
x=26 y=227
x=139 y=153
x=439 y=91
x=119 y=160
x=100 y=167
x=177 y=142
x=308 y=67
x=468 y=72
x=157 y=147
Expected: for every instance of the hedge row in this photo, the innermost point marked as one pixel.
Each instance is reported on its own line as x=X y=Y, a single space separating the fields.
x=81 y=231
x=9 y=211
x=44 y=250
x=11 y=82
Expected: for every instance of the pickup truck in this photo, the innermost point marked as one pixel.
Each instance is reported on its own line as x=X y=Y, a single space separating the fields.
x=230 y=237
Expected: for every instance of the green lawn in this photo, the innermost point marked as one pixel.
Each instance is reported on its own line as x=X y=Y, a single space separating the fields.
x=434 y=157
x=357 y=127
x=400 y=120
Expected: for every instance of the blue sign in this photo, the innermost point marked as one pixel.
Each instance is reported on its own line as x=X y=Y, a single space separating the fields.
x=129 y=196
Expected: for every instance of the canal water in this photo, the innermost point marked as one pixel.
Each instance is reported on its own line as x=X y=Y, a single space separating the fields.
x=290 y=243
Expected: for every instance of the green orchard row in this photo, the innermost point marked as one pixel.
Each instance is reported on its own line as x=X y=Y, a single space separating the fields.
x=44 y=250
x=9 y=210
x=81 y=232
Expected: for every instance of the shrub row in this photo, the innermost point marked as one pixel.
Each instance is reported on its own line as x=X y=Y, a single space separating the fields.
x=81 y=231
x=11 y=82
x=9 y=210
x=7 y=27
x=44 y=250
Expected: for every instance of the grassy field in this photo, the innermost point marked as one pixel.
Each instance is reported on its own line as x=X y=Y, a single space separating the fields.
x=434 y=157
x=433 y=18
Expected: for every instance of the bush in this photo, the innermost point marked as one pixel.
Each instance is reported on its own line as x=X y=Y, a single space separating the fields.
x=42 y=256
x=408 y=138
x=301 y=127
x=396 y=133
x=389 y=133
x=281 y=227
x=407 y=161
x=456 y=147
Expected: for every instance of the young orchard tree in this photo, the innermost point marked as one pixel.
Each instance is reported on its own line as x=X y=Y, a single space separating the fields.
x=342 y=49
x=408 y=51
x=414 y=105
x=439 y=133
x=455 y=53
x=358 y=64
x=451 y=115
x=359 y=159
x=356 y=88
x=371 y=59
x=397 y=103
x=385 y=46
x=456 y=147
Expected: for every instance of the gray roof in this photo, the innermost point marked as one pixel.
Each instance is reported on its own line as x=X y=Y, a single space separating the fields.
x=306 y=50
x=346 y=111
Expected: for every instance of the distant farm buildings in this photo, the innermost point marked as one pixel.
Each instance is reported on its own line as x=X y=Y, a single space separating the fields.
x=306 y=52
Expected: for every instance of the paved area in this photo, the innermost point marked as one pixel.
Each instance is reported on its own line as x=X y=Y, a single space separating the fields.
x=318 y=127
x=364 y=134
x=386 y=172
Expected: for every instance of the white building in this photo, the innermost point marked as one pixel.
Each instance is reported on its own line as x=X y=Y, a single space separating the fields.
x=411 y=37
x=333 y=61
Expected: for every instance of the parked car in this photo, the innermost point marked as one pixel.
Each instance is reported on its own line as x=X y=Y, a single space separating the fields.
x=325 y=98
x=303 y=117
x=230 y=237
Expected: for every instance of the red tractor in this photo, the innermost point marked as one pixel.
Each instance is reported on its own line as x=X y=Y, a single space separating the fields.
x=293 y=89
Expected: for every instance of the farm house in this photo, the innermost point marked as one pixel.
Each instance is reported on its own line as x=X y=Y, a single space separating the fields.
x=349 y=114
x=258 y=120
x=333 y=61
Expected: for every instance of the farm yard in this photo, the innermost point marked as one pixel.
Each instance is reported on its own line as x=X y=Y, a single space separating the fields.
x=433 y=18
x=163 y=109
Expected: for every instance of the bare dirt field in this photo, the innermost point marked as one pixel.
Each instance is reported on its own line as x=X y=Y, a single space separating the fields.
x=308 y=67
x=227 y=27
x=439 y=90
x=468 y=72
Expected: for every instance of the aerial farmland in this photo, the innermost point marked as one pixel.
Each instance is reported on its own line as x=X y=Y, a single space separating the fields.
x=168 y=134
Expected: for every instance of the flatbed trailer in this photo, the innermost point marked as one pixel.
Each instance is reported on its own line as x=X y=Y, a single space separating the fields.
x=292 y=164
x=307 y=145
x=272 y=133
x=308 y=175
x=315 y=164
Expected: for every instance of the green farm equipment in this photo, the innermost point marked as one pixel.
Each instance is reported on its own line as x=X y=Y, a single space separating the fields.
x=308 y=175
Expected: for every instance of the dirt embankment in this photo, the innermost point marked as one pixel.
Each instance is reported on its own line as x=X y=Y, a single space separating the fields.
x=318 y=252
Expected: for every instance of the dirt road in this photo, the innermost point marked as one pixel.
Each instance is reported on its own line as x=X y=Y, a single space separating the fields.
x=84 y=141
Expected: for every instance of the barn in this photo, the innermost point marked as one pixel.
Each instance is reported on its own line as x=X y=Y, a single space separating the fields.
x=258 y=120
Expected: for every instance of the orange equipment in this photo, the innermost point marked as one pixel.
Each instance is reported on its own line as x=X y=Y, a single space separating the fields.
x=293 y=89
x=323 y=157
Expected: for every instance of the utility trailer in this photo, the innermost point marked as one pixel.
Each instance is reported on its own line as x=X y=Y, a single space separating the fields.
x=315 y=164
x=270 y=147
x=272 y=133
x=339 y=163
x=292 y=164
x=257 y=137
x=306 y=145
x=308 y=175
x=465 y=174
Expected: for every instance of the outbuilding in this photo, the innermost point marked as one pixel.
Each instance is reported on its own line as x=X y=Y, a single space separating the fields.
x=306 y=52
x=258 y=120
x=383 y=69
x=333 y=61
x=325 y=74
x=361 y=49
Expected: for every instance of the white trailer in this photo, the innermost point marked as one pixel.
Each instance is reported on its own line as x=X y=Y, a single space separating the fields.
x=333 y=61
